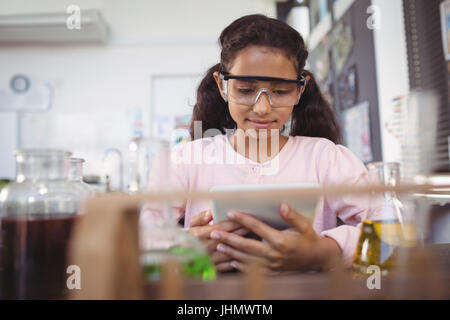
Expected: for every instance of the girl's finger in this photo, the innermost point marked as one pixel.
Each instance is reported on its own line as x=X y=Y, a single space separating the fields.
x=243 y=267
x=294 y=218
x=238 y=265
x=219 y=257
x=201 y=232
x=224 y=266
x=201 y=219
x=210 y=245
x=242 y=231
x=239 y=255
x=204 y=232
x=227 y=226
x=254 y=247
x=260 y=228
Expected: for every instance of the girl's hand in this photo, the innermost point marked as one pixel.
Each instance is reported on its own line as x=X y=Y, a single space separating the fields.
x=200 y=228
x=288 y=250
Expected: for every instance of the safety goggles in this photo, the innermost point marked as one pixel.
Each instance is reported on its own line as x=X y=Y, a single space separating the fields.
x=246 y=90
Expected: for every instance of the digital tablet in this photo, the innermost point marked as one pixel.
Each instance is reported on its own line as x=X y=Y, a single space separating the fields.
x=265 y=209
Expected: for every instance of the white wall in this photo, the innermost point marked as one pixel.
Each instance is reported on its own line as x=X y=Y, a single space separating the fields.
x=155 y=21
x=392 y=72
x=8 y=126
x=98 y=87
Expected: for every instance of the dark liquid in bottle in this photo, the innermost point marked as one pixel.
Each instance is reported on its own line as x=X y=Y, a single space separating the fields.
x=33 y=256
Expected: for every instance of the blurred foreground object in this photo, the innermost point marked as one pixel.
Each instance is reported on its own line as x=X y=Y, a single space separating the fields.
x=161 y=238
x=38 y=212
x=107 y=249
x=395 y=228
x=439 y=200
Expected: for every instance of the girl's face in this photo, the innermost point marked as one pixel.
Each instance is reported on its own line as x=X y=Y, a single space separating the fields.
x=260 y=61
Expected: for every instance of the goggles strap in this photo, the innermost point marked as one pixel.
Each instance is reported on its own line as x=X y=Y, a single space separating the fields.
x=225 y=89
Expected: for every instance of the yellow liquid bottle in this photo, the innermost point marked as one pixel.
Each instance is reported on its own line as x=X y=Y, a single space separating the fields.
x=379 y=244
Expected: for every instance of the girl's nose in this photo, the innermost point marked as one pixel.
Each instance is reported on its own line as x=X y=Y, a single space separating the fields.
x=262 y=105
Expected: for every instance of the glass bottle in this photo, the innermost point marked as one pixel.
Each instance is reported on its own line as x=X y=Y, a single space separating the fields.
x=390 y=230
x=37 y=214
x=161 y=237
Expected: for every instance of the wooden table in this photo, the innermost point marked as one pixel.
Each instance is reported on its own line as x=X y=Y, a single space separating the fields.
x=312 y=286
x=106 y=248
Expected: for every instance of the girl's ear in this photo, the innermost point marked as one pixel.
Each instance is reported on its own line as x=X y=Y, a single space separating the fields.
x=219 y=85
x=307 y=78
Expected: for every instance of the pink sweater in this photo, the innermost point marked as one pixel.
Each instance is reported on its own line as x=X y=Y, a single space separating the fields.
x=204 y=163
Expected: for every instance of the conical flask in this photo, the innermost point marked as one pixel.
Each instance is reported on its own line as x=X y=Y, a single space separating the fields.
x=390 y=228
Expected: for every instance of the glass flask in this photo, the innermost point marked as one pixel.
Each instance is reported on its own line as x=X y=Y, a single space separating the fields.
x=161 y=237
x=37 y=215
x=391 y=229
x=146 y=156
x=171 y=242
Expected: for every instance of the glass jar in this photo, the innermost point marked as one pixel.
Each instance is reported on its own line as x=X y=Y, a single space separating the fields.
x=37 y=214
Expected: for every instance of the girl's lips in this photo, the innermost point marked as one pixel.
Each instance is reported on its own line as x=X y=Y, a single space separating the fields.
x=260 y=124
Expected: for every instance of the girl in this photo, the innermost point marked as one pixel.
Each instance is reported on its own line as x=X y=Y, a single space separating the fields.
x=258 y=89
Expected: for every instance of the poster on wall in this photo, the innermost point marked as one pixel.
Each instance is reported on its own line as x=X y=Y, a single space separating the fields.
x=348 y=87
x=342 y=44
x=163 y=125
x=327 y=91
x=181 y=133
x=445 y=28
x=319 y=62
x=395 y=118
x=172 y=109
x=393 y=128
x=357 y=131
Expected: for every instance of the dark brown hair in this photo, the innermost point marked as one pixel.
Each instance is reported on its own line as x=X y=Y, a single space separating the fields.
x=312 y=116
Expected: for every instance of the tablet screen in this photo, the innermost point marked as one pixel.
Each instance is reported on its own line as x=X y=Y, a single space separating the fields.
x=266 y=210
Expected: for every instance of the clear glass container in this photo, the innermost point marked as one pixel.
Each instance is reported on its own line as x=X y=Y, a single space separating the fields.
x=387 y=206
x=37 y=214
x=171 y=242
x=148 y=156
x=391 y=229
x=161 y=237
